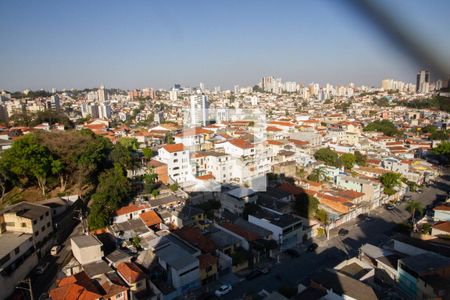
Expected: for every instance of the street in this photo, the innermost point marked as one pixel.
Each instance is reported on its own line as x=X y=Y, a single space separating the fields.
x=375 y=231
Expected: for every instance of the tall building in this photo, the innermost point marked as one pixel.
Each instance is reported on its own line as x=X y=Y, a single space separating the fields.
x=423 y=81
x=53 y=103
x=267 y=83
x=199 y=110
x=104 y=110
x=102 y=94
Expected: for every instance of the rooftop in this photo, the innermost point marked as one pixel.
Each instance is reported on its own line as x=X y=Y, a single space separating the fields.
x=84 y=241
x=11 y=240
x=426 y=262
x=241 y=192
x=277 y=219
x=27 y=210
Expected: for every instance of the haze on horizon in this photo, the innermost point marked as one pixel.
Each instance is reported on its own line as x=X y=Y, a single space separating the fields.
x=81 y=44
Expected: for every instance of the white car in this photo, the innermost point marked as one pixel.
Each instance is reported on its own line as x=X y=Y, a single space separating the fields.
x=55 y=250
x=223 y=290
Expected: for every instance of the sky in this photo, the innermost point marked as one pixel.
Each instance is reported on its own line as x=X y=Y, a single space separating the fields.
x=135 y=44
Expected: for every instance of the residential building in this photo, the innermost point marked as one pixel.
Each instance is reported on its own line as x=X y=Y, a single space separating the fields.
x=86 y=249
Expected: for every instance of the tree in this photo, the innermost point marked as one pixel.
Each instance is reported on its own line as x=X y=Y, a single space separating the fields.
x=131 y=144
x=439 y=135
x=173 y=187
x=328 y=156
x=112 y=191
x=389 y=181
x=27 y=159
x=386 y=127
x=349 y=160
x=121 y=155
x=148 y=153
x=442 y=149
x=169 y=138
x=414 y=207
x=360 y=159
x=317 y=175
x=305 y=205
x=322 y=216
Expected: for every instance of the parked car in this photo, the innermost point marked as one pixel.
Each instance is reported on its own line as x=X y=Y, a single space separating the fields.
x=343 y=232
x=312 y=247
x=363 y=217
x=55 y=250
x=253 y=274
x=292 y=252
x=41 y=268
x=263 y=270
x=223 y=290
x=390 y=207
x=407 y=198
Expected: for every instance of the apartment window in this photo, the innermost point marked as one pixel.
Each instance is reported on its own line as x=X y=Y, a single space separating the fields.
x=175 y=154
x=24 y=224
x=48 y=224
x=175 y=160
x=4 y=259
x=42 y=228
x=12 y=224
x=34 y=222
x=17 y=250
x=46 y=214
x=41 y=218
x=36 y=233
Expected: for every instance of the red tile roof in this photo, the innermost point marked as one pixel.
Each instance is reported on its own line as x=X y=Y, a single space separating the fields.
x=76 y=287
x=248 y=235
x=193 y=131
x=206 y=177
x=207 y=260
x=443 y=226
x=131 y=208
x=443 y=207
x=240 y=143
x=174 y=147
x=195 y=237
x=150 y=218
x=130 y=272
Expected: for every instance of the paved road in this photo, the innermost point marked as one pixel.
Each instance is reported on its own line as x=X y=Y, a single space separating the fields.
x=375 y=231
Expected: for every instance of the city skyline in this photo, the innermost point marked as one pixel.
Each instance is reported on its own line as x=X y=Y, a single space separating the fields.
x=160 y=44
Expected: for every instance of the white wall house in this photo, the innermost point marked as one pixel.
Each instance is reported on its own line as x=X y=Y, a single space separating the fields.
x=176 y=157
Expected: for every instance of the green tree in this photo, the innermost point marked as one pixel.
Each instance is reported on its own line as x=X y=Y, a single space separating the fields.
x=328 y=156
x=317 y=175
x=439 y=135
x=305 y=205
x=360 y=159
x=169 y=138
x=322 y=216
x=414 y=207
x=129 y=143
x=148 y=153
x=389 y=181
x=442 y=149
x=386 y=127
x=349 y=160
x=27 y=159
x=173 y=187
x=121 y=155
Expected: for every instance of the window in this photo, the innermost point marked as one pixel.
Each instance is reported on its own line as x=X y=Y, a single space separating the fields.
x=12 y=224
x=46 y=214
x=41 y=218
x=24 y=224
x=42 y=228
x=175 y=160
x=34 y=222
x=4 y=259
x=36 y=233
x=17 y=250
x=48 y=224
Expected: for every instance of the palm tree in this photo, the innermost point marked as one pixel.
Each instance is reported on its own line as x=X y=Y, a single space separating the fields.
x=412 y=207
x=317 y=175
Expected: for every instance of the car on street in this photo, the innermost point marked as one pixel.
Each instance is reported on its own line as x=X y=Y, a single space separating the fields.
x=55 y=250
x=223 y=290
x=42 y=268
x=312 y=247
x=407 y=198
x=264 y=270
x=292 y=252
x=390 y=207
x=253 y=274
x=343 y=232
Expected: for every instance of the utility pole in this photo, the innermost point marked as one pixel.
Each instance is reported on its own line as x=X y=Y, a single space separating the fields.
x=80 y=217
x=26 y=281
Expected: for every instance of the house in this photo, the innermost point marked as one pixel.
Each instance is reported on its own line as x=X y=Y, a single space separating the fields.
x=176 y=157
x=286 y=229
x=187 y=215
x=424 y=276
x=371 y=189
x=77 y=287
x=18 y=256
x=234 y=200
x=442 y=213
x=340 y=286
x=182 y=267
x=441 y=229
x=160 y=169
x=32 y=219
x=86 y=249
x=151 y=219
x=135 y=279
x=130 y=212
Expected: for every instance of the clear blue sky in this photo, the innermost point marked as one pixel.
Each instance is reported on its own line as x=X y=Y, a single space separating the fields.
x=134 y=44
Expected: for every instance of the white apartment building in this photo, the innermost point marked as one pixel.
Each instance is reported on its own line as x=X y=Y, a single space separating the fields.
x=176 y=157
